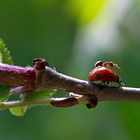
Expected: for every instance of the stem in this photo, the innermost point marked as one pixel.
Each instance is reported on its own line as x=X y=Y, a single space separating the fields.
x=58 y=102
x=53 y=79
x=16 y=76
x=13 y=104
x=26 y=77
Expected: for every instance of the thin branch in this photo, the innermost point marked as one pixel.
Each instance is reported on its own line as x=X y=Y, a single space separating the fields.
x=58 y=102
x=14 y=104
x=16 y=75
x=25 y=80
x=53 y=79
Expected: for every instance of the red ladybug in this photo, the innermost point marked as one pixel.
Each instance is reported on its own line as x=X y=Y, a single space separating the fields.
x=103 y=73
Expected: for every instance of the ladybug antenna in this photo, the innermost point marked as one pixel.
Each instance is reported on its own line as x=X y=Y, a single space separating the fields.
x=109 y=64
x=115 y=65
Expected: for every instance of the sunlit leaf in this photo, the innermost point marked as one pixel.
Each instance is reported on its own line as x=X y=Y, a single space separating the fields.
x=19 y=111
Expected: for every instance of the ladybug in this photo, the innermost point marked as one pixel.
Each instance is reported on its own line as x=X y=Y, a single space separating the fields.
x=103 y=73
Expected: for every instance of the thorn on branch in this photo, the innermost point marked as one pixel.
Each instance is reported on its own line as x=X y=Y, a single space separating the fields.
x=40 y=63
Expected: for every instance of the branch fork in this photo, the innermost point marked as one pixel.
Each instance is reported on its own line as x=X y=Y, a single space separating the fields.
x=41 y=76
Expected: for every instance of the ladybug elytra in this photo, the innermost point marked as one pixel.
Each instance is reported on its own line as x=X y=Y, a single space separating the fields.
x=103 y=73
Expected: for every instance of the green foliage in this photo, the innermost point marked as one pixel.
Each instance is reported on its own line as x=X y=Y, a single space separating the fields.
x=40 y=94
x=4 y=89
x=18 y=111
x=5 y=56
x=4 y=92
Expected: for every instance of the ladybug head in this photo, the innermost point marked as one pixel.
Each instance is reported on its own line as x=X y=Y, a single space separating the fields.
x=104 y=64
x=99 y=63
x=107 y=64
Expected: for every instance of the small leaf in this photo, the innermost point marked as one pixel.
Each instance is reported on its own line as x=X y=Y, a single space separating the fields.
x=5 y=56
x=40 y=94
x=4 y=92
x=18 y=111
x=4 y=97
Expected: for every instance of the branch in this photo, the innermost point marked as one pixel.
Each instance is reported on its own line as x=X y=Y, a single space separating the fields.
x=59 y=102
x=53 y=79
x=27 y=79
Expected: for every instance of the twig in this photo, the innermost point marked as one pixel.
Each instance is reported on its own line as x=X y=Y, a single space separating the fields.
x=58 y=102
x=53 y=79
x=25 y=80
x=14 y=104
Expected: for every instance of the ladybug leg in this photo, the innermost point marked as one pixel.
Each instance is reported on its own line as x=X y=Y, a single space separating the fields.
x=103 y=82
x=107 y=82
x=119 y=81
x=92 y=101
x=121 y=84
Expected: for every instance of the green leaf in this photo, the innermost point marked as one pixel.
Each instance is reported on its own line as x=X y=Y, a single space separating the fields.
x=40 y=94
x=4 y=97
x=4 y=92
x=5 y=56
x=18 y=111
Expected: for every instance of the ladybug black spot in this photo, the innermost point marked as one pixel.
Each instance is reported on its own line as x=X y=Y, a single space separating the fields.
x=97 y=76
x=110 y=76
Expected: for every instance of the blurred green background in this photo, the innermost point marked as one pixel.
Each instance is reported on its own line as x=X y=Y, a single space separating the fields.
x=72 y=35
